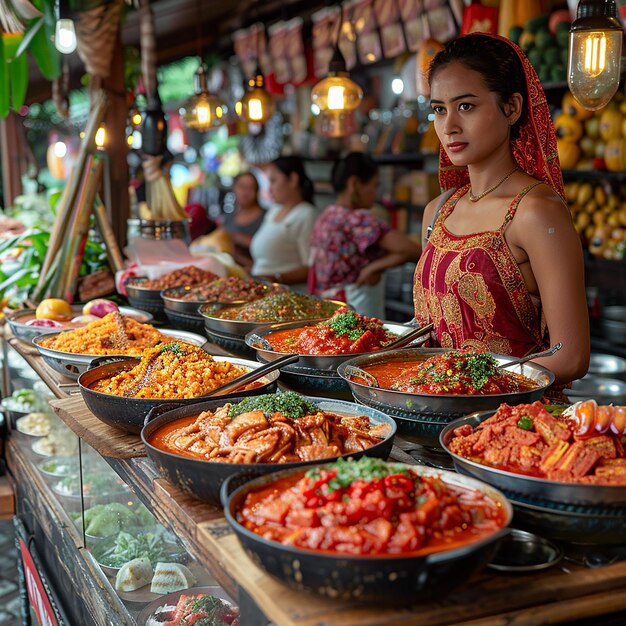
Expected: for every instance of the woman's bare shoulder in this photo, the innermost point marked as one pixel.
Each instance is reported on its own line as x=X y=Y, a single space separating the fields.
x=542 y=203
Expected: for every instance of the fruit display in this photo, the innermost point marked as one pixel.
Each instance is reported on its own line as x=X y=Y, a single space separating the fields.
x=599 y=214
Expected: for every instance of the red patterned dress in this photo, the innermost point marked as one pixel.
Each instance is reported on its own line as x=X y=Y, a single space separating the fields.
x=471 y=288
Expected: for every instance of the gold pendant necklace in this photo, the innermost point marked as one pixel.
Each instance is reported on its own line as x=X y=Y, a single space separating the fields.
x=474 y=198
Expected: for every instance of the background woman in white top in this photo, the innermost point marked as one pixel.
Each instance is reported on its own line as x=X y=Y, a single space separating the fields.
x=280 y=248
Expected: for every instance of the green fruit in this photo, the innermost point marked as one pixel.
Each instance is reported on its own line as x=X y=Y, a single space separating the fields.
x=544 y=73
x=544 y=39
x=562 y=37
x=514 y=33
x=534 y=24
x=564 y=56
x=552 y=56
x=558 y=73
x=526 y=41
x=535 y=57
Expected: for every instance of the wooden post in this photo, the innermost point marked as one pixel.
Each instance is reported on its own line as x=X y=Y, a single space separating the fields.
x=11 y=159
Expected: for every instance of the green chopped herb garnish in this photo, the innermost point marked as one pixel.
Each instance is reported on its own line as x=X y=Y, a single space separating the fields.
x=289 y=403
x=346 y=324
x=525 y=422
x=174 y=348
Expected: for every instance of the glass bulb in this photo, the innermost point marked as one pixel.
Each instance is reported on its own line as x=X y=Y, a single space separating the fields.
x=202 y=111
x=593 y=69
x=337 y=93
x=257 y=105
x=336 y=123
x=101 y=137
x=65 y=36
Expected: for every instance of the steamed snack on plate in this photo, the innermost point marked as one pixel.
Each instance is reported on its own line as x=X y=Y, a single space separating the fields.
x=271 y=428
x=369 y=508
x=34 y=424
x=529 y=440
x=104 y=520
x=57 y=443
x=195 y=608
x=59 y=467
x=346 y=332
x=231 y=289
x=93 y=484
x=188 y=275
x=451 y=373
x=169 y=577
x=21 y=401
x=279 y=307
x=171 y=370
x=112 y=334
x=133 y=575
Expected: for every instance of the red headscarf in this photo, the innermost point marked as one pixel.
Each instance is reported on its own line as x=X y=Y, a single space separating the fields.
x=534 y=150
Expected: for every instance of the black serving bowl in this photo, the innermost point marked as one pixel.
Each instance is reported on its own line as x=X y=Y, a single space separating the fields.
x=203 y=479
x=421 y=416
x=129 y=414
x=145 y=299
x=576 y=512
x=387 y=579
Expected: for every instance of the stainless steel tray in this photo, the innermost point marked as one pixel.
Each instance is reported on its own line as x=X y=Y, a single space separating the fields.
x=73 y=365
x=519 y=485
x=446 y=407
x=174 y=303
x=28 y=333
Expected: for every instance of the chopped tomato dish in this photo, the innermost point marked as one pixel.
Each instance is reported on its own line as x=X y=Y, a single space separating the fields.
x=370 y=507
x=346 y=332
x=459 y=373
x=527 y=439
x=200 y=609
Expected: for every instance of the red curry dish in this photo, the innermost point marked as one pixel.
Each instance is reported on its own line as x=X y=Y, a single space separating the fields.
x=271 y=428
x=346 y=332
x=370 y=508
x=450 y=373
x=527 y=439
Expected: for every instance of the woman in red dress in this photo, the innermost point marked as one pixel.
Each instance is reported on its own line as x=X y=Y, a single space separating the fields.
x=502 y=266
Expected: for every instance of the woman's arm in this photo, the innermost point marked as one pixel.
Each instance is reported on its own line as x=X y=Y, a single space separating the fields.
x=543 y=229
x=399 y=248
x=292 y=277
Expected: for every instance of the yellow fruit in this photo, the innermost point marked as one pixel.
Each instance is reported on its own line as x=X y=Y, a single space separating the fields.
x=571 y=189
x=54 y=309
x=591 y=207
x=592 y=127
x=572 y=107
x=569 y=153
x=611 y=124
x=589 y=231
x=615 y=155
x=582 y=221
x=585 y=191
x=622 y=216
x=568 y=127
x=600 y=195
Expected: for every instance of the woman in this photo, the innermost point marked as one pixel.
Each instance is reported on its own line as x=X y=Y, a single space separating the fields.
x=502 y=269
x=280 y=248
x=351 y=247
x=242 y=224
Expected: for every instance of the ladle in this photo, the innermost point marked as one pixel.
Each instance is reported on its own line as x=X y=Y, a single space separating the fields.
x=252 y=375
x=530 y=357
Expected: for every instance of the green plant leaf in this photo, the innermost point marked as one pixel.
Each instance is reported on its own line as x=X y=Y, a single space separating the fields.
x=18 y=71
x=30 y=32
x=4 y=82
x=42 y=47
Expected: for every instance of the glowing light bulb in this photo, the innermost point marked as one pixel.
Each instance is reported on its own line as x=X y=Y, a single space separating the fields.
x=238 y=107
x=60 y=149
x=255 y=109
x=336 y=98
x=101 y=137
x=65 y=36
x=136 y=119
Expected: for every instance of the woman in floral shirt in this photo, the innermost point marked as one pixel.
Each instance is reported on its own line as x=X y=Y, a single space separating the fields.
x=350 y=246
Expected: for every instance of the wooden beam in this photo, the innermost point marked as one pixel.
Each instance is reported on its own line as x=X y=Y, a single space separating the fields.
x=11 y=157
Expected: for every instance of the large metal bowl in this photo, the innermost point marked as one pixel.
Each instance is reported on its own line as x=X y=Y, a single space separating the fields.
x=17 y=321
x=73 y=365
x=146 y=299
x=602 y=390
x=129 y=414
x=522 y=486
x=422 y=416
x=385 y=579
x=203 y=479
x=607 y=366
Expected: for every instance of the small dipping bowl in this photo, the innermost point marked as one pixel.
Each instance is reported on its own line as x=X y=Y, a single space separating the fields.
x=521 y=551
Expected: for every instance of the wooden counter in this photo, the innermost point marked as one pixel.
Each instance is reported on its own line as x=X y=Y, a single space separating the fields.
x=557 y=595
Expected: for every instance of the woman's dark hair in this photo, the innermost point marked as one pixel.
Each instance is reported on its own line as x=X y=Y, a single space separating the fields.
x=496 y=61
x=293 y=164
x=354 y=164
x=251 y=175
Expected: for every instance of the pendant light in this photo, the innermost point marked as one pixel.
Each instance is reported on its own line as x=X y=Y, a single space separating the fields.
x=65 y=33
x=337 y=92
x=595 y=50
x=203 y=110
x=257 y=104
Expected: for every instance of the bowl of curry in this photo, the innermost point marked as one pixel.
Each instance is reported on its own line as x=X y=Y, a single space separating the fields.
x=198 y=447
x=316 y=529
x=121 y=393
x=426 y=388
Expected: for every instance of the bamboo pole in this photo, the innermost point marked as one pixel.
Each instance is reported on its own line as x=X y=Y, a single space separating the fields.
x=116 y=260
x=66 y=204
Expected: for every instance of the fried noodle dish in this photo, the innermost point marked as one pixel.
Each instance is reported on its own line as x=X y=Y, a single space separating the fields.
x=582 y=445
x=271 y=428
x=171 y=370
x=346 y=332
x=112 y=334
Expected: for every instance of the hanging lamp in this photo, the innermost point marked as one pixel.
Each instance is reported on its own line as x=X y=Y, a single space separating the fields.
x=65 y=33
x=337 y=93
x=257 y=104
x=203 y=110
x=595 y=51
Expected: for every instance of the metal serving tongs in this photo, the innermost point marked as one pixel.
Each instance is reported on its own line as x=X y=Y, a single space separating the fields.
x=529 y=357
x=354 y=371
x=253 y=375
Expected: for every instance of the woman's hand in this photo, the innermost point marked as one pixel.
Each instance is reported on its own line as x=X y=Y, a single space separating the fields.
x=368 y=276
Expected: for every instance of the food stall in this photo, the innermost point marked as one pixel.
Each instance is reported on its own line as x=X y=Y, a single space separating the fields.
x=115 y=471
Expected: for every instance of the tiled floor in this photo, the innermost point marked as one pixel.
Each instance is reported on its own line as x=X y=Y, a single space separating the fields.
x=9 y=592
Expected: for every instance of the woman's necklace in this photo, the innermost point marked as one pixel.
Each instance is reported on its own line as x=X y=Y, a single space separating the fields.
x=474 y=198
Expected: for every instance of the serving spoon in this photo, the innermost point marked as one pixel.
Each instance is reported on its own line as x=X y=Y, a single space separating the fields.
x=529 y=357
x=252 y=375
